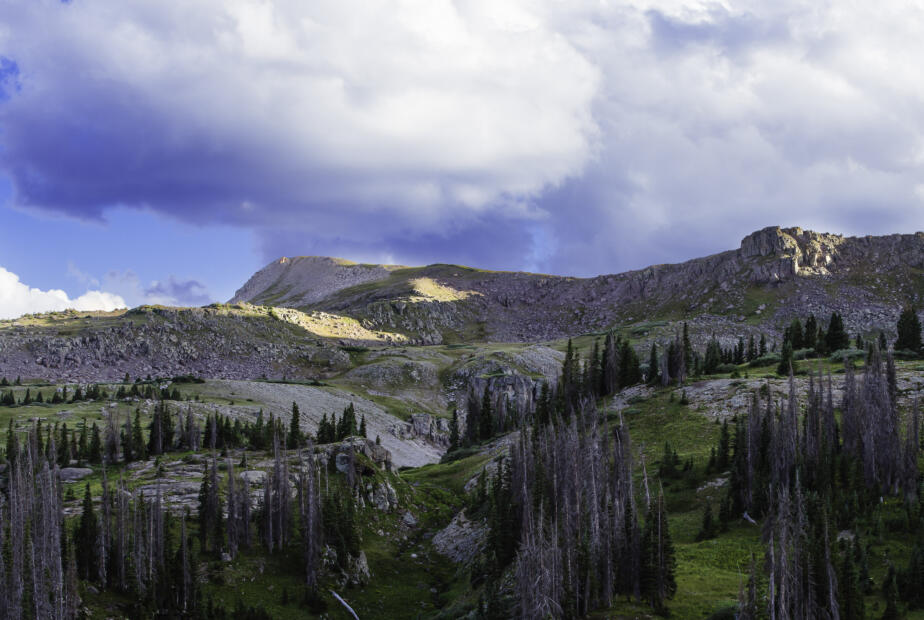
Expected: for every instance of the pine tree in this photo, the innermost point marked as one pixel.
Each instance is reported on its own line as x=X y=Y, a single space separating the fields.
x=890 y=592
x=137 y=438
x=909 y=331
x=722 y=455
x=785 y=366
x=86 y=540
x=295 y=432
x=653 y=374
x=362 y=426
x=836 y=339
x=454 y=430
x=810 y=334
x=658 y=563
x=486 y=416
x=850 y=600
x=95 y=449
x=708 y=529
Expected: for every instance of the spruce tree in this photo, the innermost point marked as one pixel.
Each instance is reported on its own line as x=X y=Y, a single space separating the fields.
x=454 y=430
x=658 y=563
x=137 y=438
x=95 y=449
x=785 y=366
x=708 y=529
x=810 y=334
x=850 y=600
x=295 y=432
x=653 y=376
x=836 y=338
x=86 y=540
x=486 y=417
x=909 y=331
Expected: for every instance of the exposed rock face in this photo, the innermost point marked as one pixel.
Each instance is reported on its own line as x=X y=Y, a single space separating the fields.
x=462 y=540
x=210 y=342
x=510 y=378
x=383 y=497
x=307 y=279
x=70 y=474
x=801 y=267
x=795 y=252
x=423 y=426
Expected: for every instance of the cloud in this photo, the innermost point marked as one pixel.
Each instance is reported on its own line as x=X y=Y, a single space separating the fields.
x=167 y=292
x=579 y=137
x=17 y=298
x=173 y=292
x=259 y=112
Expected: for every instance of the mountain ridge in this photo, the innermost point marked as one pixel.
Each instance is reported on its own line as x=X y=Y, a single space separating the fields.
x=800 y=270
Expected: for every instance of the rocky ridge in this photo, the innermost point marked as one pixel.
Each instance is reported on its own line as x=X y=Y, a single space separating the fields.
x=776 y=272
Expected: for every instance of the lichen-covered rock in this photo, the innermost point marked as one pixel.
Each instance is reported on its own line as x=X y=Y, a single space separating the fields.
x=462 y=540
x=384 y=497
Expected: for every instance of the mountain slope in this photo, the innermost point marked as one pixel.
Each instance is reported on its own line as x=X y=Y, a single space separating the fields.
x=776 y=273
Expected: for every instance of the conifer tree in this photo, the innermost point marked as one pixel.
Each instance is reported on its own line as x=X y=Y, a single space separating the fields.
x=909 y=331
x=785 y=366
x=658 y=563
x=810 y=334
x=836 y=338
x=653 y=374
x=708 y=528
x=86 y=540
x=95 y=449
x=137 y=438
x=453 y=430
x=295 y=431
x=486 y=416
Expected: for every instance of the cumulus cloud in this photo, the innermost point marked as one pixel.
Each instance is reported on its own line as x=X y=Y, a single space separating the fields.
x=579 y=137
x=17 y=298
x=256 y=111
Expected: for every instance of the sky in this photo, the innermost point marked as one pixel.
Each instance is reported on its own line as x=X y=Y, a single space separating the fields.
x=163 y=152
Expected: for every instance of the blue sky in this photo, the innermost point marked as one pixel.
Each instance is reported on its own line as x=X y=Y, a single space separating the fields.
x=161 y=153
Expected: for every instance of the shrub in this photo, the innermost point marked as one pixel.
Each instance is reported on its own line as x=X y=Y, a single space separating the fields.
x=850 y=354
x=770 y=359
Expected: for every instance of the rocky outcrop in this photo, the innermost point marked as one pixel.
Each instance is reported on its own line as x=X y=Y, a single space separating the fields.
x=513 y=380
x=340 y=453
x=423 y=426
x=214 y=342
x=462 y=540
x=304 y=280
x=512 y=306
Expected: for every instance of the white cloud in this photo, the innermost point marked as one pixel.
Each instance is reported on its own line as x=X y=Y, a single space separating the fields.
x=169 y=291
x=359 y=102
x=17 y=299
x=618 y=133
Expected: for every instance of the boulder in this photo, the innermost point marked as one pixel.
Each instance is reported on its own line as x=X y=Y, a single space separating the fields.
x=72 y=474
x=384 y=497
x=254 y=476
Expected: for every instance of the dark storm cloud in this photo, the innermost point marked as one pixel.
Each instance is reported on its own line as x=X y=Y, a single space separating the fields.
x=582 y=138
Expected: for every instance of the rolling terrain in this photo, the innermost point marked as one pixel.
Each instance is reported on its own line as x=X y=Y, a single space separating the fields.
x=416 y=355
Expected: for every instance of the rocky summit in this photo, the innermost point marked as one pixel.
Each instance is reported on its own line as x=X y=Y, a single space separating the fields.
x=775 y=274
